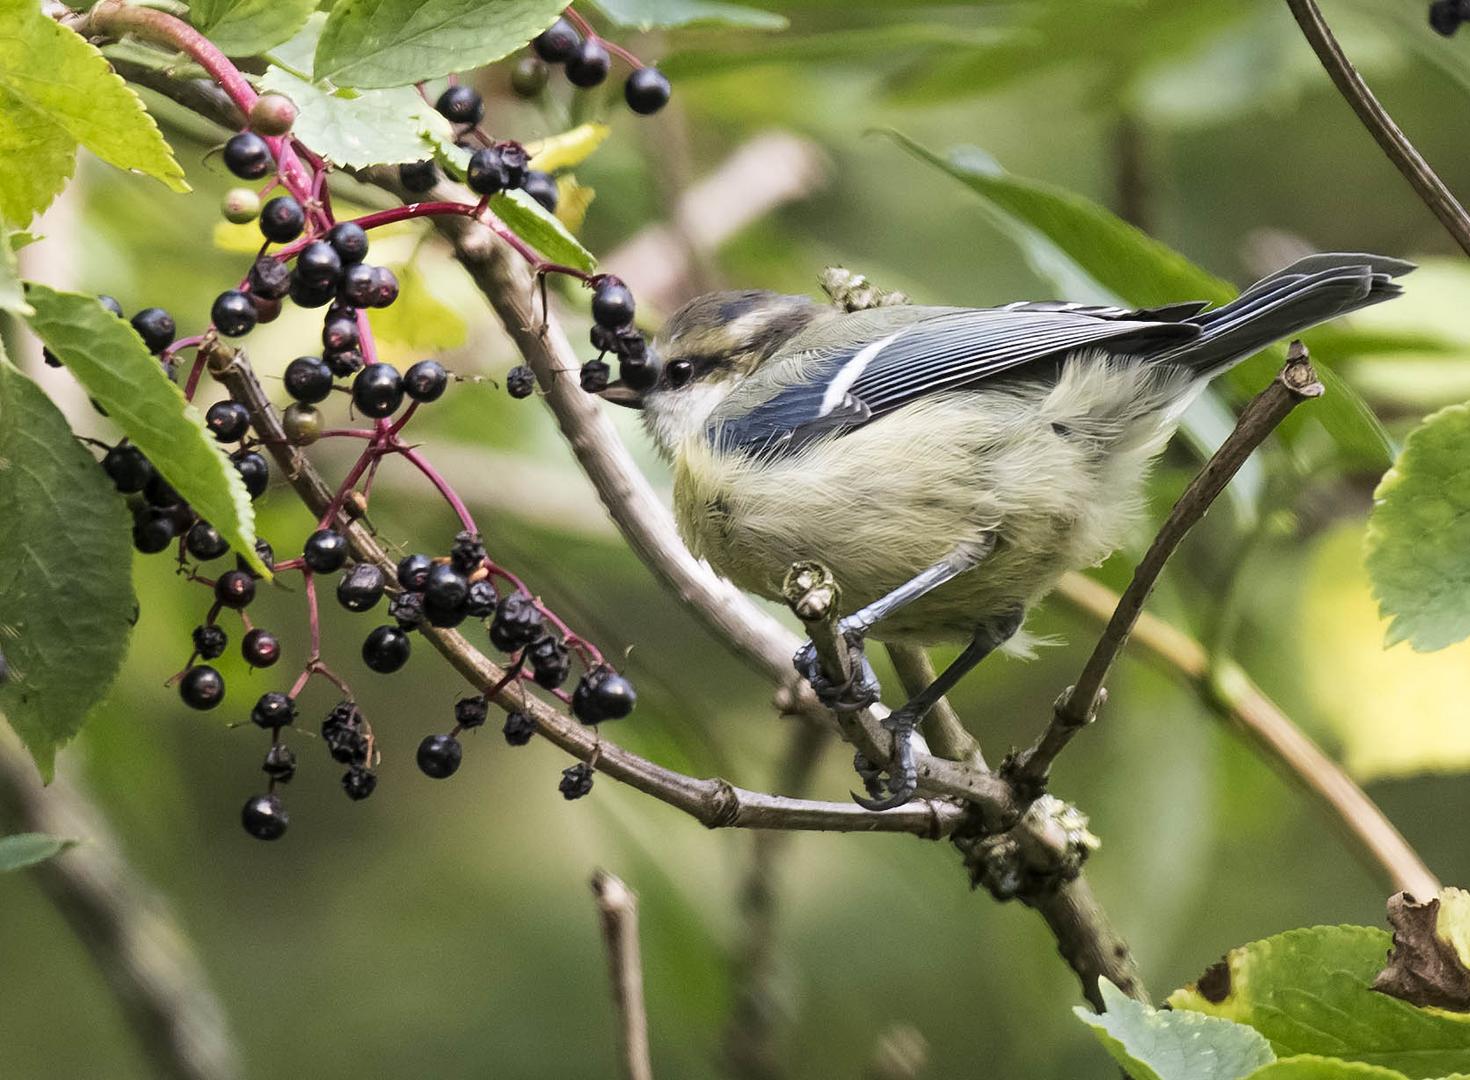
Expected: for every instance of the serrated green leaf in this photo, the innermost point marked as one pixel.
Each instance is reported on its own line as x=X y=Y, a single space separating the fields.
x=110 y=361
x=529 y=220
x=652 y=14
x=66 y=597
x=250 y=27
x=381 y=43
x=1418 y=543
x=1156 y=1045
x=1091 y=254
x=1309 y=992
x=57 y=90
x=21 y=850
x=12 y=293
x=356 y=129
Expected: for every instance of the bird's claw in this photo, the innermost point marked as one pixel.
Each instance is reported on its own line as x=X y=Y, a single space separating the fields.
x=903 y=772
x=861 y=689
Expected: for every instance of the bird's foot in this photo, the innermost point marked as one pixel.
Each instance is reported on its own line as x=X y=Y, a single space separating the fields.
x=903 y=773
x=860 y=690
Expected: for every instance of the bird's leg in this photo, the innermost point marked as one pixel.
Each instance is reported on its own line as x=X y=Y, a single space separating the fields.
x=903 y=776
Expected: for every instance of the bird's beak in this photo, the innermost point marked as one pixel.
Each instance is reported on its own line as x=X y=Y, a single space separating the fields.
x=619 y=393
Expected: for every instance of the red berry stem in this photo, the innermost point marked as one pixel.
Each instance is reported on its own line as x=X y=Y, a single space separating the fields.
x=575 y=18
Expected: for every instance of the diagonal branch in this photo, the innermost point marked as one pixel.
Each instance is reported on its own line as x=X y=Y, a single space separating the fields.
x=617 y=908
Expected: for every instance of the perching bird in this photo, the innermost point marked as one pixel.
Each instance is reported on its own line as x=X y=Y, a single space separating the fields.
x=947 y=465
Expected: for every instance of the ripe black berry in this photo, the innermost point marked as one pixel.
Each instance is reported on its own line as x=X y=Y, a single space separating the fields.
x=273 y=710
x=282 y=219
x=541 y=187
x=319 y=265
x=153 y=531
x=378 y=390
x=127 y=468
x=357 y=285
x=518 y=728
x=486 y=172
x=482 y=600
x=359 y=783
x=342 y=362
x=558 y=42
x=110 y=303
x=1446 y=16
x=280 y=763
x=210 y=641
x=446 y=593
x=529 y=77
x=515 y=162
x=351 y=241
x=302 y=424
x=270 y=278
x=386 y=649
x=468 y=552
x=156 y=327
x=204 y=542
x=308 y=379
x=260 y=647
x=272 y=114
x=253 y=470
x=202 y=687
x=425 y=381
x=264 y=552
x=264 y=817
x=227 y=420
x=240 y=205
x=159 y=492
x=306 y=294
x=234 y=589
x=361 y=587
x=342 y=731
x=520 y=382
x=612 y=303
x=247 y=155
x=550 y=662
x=266 y=309
x=407 y=609
x=576 y=781
x=589 y=65
x=595 y=376
x=413 y=571
x=470 y=712
x=385 y=287
x=461 y=105
x=340 y=335
x=232 y=313
x=325 y=551
x=517 y=622
x=439 y=756
x=602 y=694
x=418 y=176
x=646 y=91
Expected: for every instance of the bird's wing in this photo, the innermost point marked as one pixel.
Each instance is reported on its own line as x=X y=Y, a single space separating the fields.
x=956 y=349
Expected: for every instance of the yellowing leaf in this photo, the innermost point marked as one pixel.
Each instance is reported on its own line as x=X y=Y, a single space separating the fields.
x=417 y=320
x=1396 y=712
x=572 y=201
x=568 y=149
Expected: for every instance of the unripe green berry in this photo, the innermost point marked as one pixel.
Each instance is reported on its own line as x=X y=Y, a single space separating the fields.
x=302 y=423
x=272 y=114
x=240 y=205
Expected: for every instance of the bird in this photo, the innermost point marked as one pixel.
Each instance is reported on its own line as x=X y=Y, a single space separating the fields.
x=947 y=465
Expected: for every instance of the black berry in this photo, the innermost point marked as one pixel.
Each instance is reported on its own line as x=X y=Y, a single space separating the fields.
x=264 y=552
x=159 y=492
x=515 y=162
x=204 y=542
x=602 y=694
x=152 y=532
x=529 y=77
x=612 y=303
x=518 y=728
x=210 y=641
x=247 y=155
x=589 y=65
x=357 y=285
x=470 y=712
x=468 y=552
x=407 y=609
x=461 y=105
x=361 y=587
x=202 y=687
x=413 y=571
x=280 y=763
x=558 y=42
x=576 y=781
x=378 y=390
x=595 y=376
x=386 y=649
x=385 y=287
x=111 y=304
x=308 y=379
x=541 y=187
x=234 y=589
x=638 y=372
x=418 y=176
x=646 y=91
x=232 y=313
x=156 y=327
x=264 y=817
x=482 y=600
x=550 y=662
x=308 y=294
x=520 y=382
x=325 y=551
x=486 y=173
x=517 y=622
x=1446 y=16
x=340 y=334
x=319 y=264
x=445 y=595
x=269 y=277
x=266 y=309
x=227 y=420
x=342 y=362
x=359 y=783
x=439 y=756
x=343 y=733
x=254 y=470
x=127 y=468
x=282 y=219
x=260 y=647
x=351 y=241
x=273 y=710
x=425 y=381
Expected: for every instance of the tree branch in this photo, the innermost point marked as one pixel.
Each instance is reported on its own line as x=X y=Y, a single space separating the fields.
x=1296 y=383
x=1389 y=136
x=617 y=907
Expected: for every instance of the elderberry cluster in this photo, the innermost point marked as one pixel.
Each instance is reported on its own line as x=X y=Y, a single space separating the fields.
x=586 y=62
x=1446 y=16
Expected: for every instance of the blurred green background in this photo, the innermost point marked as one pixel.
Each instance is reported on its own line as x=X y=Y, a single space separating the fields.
x=447 y=930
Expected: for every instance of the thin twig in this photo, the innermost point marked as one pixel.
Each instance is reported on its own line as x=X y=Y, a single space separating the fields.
x=1297 y=382
x=946 y=735
x=1389 y=136
x=617 y=907
x=138 y=945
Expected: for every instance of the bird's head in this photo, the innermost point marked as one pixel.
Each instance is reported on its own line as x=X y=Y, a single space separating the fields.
x=705 y=350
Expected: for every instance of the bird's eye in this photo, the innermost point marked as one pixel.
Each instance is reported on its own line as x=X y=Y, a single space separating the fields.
x=680 y=372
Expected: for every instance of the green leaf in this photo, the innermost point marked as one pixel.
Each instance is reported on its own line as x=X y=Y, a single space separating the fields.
x=1310 y=992
x=1091 y=254
x=1418 y=544
x=529 y=220
x=26 y=849
x=250 y=27
x=379 y=43
x=66 y=598
x=356 y=129
x=112 y=364
x=1157 y=1045
x=650 y=14
x=12 y=293
x=1313 y=1067
x=56 y=91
